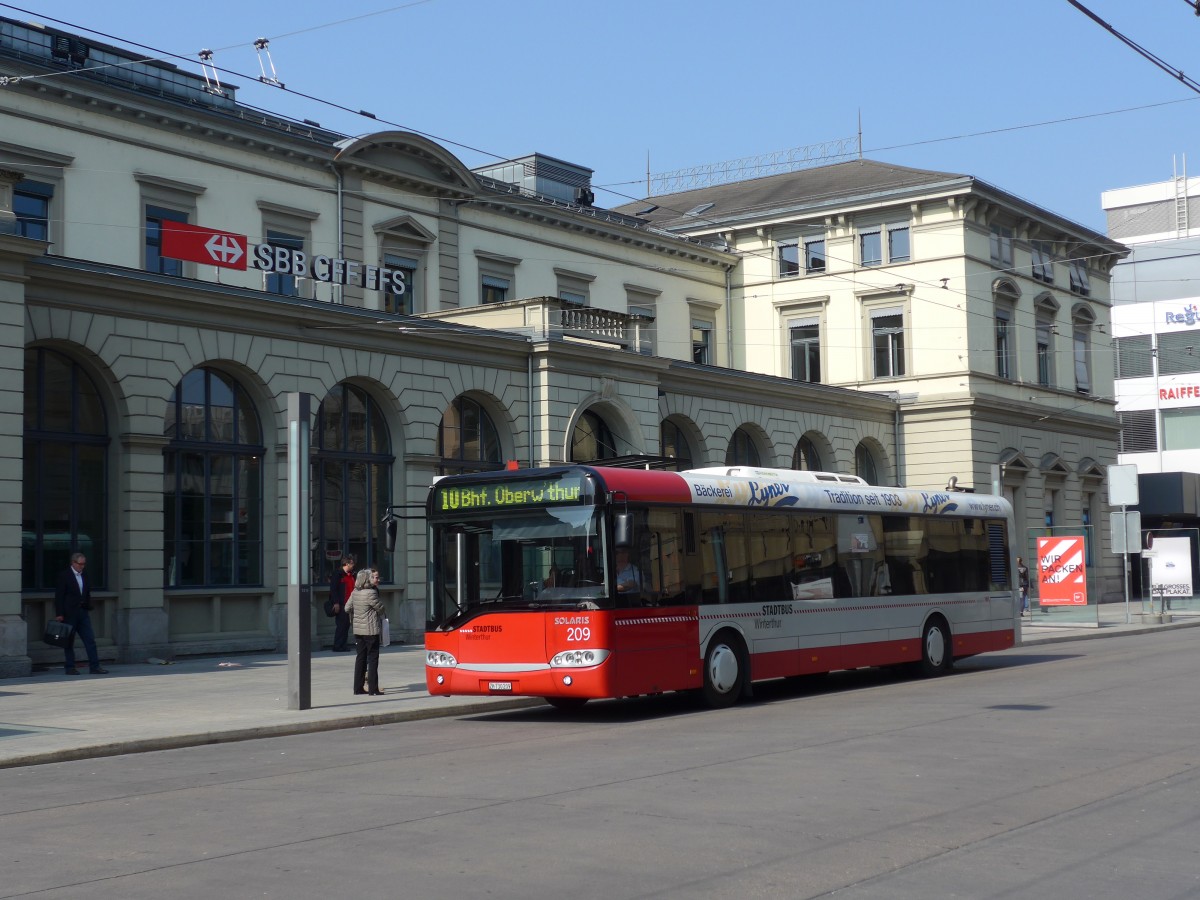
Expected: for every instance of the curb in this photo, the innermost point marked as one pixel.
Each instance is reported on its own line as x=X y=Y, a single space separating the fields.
x=1101 y=632
x=200 y=739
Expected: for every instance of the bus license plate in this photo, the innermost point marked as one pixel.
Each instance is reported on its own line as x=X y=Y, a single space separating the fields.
x=505 y=686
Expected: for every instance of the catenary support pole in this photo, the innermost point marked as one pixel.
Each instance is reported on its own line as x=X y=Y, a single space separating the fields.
x=299 y=629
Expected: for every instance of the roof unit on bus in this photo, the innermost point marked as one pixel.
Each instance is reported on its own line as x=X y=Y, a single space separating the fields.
x=793 y=474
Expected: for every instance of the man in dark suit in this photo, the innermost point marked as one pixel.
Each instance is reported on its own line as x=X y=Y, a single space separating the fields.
x=72 y=600
x=341 y=586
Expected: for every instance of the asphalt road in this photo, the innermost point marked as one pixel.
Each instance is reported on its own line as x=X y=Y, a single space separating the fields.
x=1060 y=771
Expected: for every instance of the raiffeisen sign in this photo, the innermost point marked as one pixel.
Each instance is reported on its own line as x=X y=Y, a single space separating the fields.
x=233 y=251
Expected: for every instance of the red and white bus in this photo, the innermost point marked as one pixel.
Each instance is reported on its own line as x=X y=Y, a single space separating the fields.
x=580 y=582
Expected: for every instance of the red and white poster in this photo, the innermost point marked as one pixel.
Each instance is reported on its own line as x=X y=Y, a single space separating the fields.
x=1062 y=574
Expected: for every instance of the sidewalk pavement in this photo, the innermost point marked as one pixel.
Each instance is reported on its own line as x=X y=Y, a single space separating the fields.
x=52 y=717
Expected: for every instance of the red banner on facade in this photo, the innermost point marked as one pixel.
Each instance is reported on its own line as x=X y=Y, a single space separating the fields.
x=1062 y=574
x=203 y=245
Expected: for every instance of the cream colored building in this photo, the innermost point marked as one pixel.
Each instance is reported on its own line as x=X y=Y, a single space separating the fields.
x=146 y=395
x=985 y=316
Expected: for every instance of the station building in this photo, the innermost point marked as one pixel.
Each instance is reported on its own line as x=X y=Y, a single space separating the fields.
x=175 y=265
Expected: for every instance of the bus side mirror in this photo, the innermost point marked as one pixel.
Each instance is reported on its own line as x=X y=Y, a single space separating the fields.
x=623 y=529
x=389 y=534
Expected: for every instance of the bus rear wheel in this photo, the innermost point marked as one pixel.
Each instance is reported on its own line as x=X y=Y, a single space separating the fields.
x=566 y=704
x=724 y=674
x=937 y=649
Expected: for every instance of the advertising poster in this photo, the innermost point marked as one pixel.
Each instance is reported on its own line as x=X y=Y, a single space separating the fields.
x=1062 y=575
x=1171 y=568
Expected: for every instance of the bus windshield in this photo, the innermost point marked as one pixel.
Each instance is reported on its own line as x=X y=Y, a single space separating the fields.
x=523 y=559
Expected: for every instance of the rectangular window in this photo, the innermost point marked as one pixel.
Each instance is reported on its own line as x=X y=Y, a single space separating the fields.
x=574 y=287
x=1139 y=431
x=1001 y=245
x=1083 y=369
x=1181 y=429
x=1045 y=354
x=898 y=245
x=641 y=327
x=1043 y=265
x=789 y=259
x=1134 y=357
x=1079 y=278
x=276 y=282
x=870 y=248
x=31 y=204
x=1003 y=344
x=702 y=343
x=814 y=256
x=887 y=339
x=1178 y=353
x=155 y=261
x=494 y=290
x=404 y=304
x=805 y=338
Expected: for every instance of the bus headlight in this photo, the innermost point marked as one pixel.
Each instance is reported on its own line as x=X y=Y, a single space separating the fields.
x=576 y=659
x=440 y=659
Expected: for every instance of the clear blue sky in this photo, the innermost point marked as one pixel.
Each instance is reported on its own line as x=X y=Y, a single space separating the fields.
x=604 y=84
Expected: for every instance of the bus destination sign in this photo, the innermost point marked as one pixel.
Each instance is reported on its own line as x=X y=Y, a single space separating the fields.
x=509 y=494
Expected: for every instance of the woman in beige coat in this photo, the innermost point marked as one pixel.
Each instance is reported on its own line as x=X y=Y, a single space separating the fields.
x=366 y=620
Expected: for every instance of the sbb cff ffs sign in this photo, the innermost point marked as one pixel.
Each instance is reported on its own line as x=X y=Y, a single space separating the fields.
x=232 y=251
x=1062 y=573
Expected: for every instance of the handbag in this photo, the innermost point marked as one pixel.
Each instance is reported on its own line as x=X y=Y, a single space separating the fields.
x=385 y=633
x=58 y=634
x=329 y=608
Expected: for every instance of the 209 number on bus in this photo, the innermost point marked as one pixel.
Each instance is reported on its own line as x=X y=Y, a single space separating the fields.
x=579 y=634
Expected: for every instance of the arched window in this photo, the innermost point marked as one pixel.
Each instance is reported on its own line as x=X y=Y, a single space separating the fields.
x=806 y=456
x=352 y=483
x=673 y=443
x=864 y=464
x=467 y=439
x=212 y=484
x=592 y=439
x=742 y=451
x=64 y=501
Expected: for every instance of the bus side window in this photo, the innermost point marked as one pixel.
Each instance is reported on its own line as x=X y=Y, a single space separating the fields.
x=666 y=558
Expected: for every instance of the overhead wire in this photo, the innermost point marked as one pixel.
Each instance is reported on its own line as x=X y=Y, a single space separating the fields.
x=855 y=277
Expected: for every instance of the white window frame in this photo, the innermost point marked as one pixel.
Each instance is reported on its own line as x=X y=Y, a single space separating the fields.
x=703 y=328
x=795 y=325
x=574 y=287
x=169 y=195
x=809 y=268
x=796 y=265
x=295 y=223
x=1000 y=245
x=896 y=344
x=1041 y=254
x=46 y=168
x=498 y=272
x=1004 y=335
x=641 y=304
x=407 y=239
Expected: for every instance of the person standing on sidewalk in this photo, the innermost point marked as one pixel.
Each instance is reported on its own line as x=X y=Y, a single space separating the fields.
x=367 y=609
x=340 y=587
x=1023 y=584
x=72 y=602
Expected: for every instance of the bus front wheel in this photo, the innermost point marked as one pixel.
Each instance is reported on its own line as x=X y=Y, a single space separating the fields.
x=724 y=674
x=937 y=650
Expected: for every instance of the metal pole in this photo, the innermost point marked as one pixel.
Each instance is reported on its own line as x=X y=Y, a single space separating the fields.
x=1125 y=557
x=299 y=631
